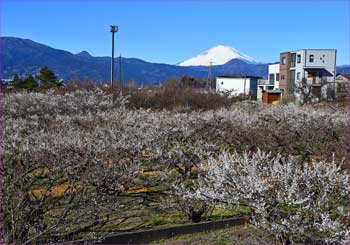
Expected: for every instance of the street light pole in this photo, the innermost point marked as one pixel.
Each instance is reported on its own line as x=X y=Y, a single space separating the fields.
x=113 y=30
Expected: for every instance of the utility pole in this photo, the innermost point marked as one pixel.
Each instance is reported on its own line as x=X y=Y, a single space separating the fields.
x=244 y=75
x=113 y=30
x=245 y=82
x=120 y=69
x=209 y=74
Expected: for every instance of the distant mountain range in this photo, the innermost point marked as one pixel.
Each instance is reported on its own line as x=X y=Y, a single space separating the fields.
x=24 y=57
x=345 y=69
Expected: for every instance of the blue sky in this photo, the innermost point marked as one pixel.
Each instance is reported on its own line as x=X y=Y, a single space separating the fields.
x=173 y=31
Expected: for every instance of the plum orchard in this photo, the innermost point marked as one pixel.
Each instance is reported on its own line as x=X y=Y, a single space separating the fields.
x=296 y=201
x=88 y=144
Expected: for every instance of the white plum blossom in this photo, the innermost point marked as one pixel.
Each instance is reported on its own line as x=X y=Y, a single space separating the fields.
x=296 y=201
x=94 y=141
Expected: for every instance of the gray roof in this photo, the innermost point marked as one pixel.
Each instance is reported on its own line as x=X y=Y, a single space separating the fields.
x=239 y=76
x=292 y=51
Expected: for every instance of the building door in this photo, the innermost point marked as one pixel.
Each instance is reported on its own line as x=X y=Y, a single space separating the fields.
x=273 y=97
x=312 y=75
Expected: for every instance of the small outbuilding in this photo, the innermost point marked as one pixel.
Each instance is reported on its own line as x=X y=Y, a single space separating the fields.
x=271 y=96
x=238 y=85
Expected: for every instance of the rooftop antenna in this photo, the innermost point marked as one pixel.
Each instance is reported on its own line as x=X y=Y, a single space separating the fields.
x=209 y=73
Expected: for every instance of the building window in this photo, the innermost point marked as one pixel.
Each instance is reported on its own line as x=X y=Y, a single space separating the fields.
x=291 y=82
x=282 y=77
x=272 y=78
x=298 y=58
x=277 y=77
x=283 y=60
x=311 y=58
x=298 y=76
x=292 y=75
x=292 y=62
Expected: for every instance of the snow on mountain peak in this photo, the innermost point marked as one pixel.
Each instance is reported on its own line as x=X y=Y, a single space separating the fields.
x=218 y=55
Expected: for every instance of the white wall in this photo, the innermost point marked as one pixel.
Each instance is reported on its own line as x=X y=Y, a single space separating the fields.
x=323 y=58
x=228 y=83
x=274 y=69
x=259 y=93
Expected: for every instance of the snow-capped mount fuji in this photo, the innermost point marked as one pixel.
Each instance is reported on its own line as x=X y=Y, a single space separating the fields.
x=218 y=55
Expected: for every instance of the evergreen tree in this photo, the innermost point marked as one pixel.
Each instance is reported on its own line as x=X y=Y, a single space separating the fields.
x=16 y=81
x=30 y=83
x=48 y=78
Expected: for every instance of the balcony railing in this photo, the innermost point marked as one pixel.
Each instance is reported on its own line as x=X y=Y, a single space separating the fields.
x=265 y=82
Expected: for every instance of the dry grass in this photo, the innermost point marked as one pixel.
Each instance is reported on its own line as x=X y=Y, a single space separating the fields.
x=230 y=235
x=57 y=191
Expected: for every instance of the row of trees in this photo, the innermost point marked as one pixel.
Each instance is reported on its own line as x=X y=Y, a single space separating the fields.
x=47 y=79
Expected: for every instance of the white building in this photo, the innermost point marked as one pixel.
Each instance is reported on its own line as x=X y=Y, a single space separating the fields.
x=238 y=85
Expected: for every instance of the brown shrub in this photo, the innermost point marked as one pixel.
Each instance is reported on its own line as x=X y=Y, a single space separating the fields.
x=185 y=94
